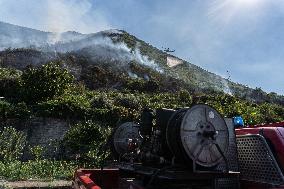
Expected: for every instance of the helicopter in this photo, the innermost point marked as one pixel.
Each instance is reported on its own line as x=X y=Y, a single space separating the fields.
x=168 y=50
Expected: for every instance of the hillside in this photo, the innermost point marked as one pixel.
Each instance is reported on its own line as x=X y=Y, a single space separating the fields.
x=13 y=36
x=117 y=52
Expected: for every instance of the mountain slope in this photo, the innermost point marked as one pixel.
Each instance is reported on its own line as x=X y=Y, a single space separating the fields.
x=13 y=36
x=115 y=50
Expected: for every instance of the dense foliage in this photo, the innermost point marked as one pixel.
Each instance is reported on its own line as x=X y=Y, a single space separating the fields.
x=12 y=143
x=46 y=82
x=88 y=142
x=9 y=82
x=41 y=169
x=51 y=91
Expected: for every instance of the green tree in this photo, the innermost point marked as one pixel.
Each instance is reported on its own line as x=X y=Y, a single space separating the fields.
x=45 y=82
x=10 y=83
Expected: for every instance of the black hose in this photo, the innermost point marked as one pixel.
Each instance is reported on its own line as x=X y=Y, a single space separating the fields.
x=155 y=174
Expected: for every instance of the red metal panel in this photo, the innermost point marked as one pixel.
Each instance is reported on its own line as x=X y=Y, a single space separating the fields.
x=277 y=124
x=274 y=135
x=89 y=178
x=108 y=179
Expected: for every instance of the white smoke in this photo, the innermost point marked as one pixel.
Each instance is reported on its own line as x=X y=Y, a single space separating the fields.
x=137 y=56
x=73 y=15
x=132 y=75
x=101 y=48
x=226 y=88
x=104 y=47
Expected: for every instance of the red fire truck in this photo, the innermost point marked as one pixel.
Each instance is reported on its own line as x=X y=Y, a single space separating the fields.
x=191 y=148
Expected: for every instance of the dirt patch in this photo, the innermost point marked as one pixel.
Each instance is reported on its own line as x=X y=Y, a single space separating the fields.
x=36 y=184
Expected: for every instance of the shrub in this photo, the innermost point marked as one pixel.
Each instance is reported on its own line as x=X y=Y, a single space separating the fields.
x=10 y=83
x=45 y=82
x=37 y=152
x=5 y=107
x=65 y=106
x=20 y=111
x=86 y=140
x=12 y=143
x=10 y=110
x=41 y=169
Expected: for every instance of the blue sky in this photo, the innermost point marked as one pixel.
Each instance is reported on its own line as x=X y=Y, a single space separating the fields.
x=240 y=38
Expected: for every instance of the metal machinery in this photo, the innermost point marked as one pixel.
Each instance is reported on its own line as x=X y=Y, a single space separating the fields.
x=192 y=148
x=261 y=156
x=185 y=147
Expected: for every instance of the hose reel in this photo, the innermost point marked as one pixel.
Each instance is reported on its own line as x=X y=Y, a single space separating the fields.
x=198 y=134
x=192 y=136
x=125 y=135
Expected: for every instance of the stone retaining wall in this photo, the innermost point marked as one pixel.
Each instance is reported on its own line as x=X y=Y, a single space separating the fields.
x=46 y=132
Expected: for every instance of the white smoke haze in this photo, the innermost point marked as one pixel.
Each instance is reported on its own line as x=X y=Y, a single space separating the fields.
x=120 y=52
x=226 y=88
x=101 y=48
x=132 y=75
x=61 y=15
x=113 y=31
x=94 y=41
x=54 y=15
x=104 y=47
x=144 y=60
x=72 y=15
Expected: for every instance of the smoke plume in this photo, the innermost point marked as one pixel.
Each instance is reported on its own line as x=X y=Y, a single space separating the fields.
x=73 y=15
